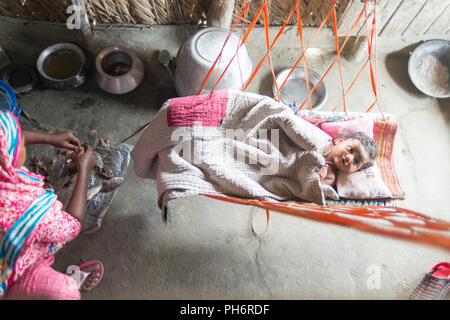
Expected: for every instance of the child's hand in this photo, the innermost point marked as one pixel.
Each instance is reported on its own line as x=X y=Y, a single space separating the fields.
x=65 y=140
x=322 y=171
x=84 y=159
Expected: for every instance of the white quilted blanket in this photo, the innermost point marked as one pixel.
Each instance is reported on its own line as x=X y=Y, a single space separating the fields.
x=260 y=149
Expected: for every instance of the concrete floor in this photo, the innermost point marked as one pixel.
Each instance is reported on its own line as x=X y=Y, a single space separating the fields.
x=208 y=251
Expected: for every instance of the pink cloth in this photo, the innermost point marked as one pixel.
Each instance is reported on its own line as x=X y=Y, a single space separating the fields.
x=41 y=282
x=202 y=110
x=335 y=129
x=17 y=192
x=56 y=226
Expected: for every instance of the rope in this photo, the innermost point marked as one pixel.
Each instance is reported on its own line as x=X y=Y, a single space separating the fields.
x=300 y=33
x=244 y=8
x=338 y=54
x=332 y=63
x=266 y=29
x=395 y=221
x=267 y=53
x=256 y=233
x=240 y=45
x=303 y=54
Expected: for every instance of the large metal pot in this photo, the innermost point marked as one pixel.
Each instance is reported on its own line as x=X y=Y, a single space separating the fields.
x=119 y=70
x=429 y=66
x=62 y=66
x=197 y=55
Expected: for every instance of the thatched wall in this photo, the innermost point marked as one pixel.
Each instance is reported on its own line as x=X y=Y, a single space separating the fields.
x=153 y=12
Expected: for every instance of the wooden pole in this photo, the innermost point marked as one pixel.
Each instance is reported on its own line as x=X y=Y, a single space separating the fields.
x=220 y=13
x=85 y=26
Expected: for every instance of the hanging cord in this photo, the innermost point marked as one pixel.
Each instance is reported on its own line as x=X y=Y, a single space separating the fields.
x=338 y=53
x=237 y=46
x=136 y=132
x=244 y=8
x=351 y=85
x=335 y=59
x=250 y=28
x=365 y=63
x=267 y=53
x=372 y=39
x=266 y=28
x=303 y=54
x=37 y=123
x=256 y=233
x=300 y=33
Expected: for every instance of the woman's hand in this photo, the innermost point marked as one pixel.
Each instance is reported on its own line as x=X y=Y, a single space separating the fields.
x=65 y=140
x=84 y=159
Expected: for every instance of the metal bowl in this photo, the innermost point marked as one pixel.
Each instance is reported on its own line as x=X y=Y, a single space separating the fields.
x=428 y=68
x=294 y=91
x=62 y=66
x=197 y=55
x=119 y=70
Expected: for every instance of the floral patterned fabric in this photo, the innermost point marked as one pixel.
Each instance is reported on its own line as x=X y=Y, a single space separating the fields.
x=18 y=189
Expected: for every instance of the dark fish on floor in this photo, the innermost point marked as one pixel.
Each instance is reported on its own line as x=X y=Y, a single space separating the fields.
x=92 y=192
x=111 y=184
x=107 y=186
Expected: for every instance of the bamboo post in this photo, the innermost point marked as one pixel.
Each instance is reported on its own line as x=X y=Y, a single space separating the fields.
x=85 y=26
x=220 y=13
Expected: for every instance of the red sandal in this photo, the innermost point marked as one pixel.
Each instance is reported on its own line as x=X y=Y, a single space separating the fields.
x=435 y=284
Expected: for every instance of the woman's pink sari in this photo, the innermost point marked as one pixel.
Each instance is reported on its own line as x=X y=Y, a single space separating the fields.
x=18 y=189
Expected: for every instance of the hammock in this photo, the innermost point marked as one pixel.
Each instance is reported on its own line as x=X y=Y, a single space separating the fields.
x=389 y=220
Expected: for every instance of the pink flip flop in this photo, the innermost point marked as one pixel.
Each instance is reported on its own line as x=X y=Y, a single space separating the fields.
x=99 y=271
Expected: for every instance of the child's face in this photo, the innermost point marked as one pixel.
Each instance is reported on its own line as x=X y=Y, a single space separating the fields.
x=22 y=153
x=349 y=155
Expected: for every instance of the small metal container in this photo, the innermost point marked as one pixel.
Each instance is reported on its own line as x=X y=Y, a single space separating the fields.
x=295 y=91
x=62 y=66
x=119 y=70
x=197 y=55
x=421 y=74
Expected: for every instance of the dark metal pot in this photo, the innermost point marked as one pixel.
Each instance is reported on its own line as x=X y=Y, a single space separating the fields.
x=57 y=73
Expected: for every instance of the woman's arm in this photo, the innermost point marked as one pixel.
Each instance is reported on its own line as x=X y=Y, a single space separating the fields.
x=64 y=139
x=84 y=161
x=34 y=137
x=76 y=206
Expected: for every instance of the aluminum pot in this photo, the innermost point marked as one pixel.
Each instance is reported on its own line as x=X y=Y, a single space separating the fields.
x=429 y=66
x=118 y=70
x=197 y=55
x=295 y=90
x=63 y=66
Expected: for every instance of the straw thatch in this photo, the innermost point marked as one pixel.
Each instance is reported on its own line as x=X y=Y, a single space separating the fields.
x=155 y=12
x=312 y=12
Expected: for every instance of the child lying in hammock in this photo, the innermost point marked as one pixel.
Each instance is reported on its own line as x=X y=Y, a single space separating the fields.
x=353 y=152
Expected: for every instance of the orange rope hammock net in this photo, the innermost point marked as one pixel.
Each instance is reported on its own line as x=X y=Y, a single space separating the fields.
x=387 y=220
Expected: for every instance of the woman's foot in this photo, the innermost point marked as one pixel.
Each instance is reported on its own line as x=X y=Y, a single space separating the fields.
x=92 y=279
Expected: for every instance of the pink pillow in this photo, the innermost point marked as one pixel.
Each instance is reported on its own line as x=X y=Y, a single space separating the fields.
x=334 y=129
x=364 y=184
